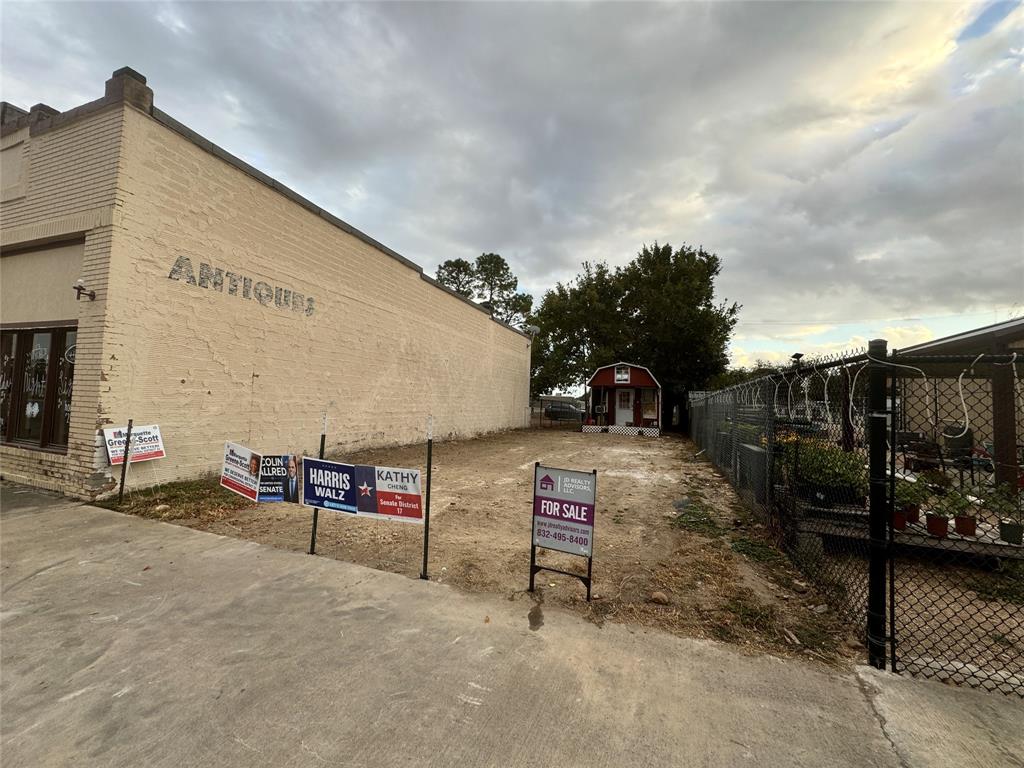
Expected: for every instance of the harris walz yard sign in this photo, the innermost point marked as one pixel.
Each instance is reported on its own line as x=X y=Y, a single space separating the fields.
x=383 y=492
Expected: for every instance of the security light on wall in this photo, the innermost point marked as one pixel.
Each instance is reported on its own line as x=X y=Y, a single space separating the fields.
x=80 y=289
x=532 y=330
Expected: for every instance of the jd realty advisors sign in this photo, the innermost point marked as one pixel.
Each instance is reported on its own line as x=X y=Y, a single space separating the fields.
x=563 y=510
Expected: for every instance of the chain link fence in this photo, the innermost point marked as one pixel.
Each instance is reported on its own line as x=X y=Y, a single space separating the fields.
x=926 y=561
x=792 y=445
x=957 y=565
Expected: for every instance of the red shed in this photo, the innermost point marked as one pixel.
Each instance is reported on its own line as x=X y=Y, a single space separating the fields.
x=625 y=396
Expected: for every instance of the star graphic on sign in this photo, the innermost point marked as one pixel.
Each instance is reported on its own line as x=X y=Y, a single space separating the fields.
x=364 y=489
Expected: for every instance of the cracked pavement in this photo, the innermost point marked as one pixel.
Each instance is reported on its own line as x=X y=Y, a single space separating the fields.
x=127 y=642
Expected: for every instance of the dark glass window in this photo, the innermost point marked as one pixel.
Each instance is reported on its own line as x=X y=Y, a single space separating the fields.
x=37 y=369
x=62 y=393
x=7 y=350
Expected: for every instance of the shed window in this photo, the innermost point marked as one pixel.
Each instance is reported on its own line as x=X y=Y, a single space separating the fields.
x=622 y=374
x=36 y=372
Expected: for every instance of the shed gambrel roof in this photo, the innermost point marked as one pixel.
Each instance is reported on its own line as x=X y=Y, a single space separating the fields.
x=616 y=365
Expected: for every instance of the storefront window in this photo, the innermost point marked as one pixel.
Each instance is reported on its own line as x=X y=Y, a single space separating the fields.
x=36 y=374
x=65 y=377
x=7 y=350
x=35 y=365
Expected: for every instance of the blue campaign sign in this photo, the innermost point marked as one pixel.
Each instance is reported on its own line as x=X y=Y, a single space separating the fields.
x=328 y=485
x=366 y=489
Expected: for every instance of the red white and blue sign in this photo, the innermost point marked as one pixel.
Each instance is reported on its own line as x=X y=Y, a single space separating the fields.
x=389 y=492
x=392 y=493
x=328 y=485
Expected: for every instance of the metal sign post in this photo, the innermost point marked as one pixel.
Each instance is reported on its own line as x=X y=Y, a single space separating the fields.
x=564 y=504
x=426 y=510
x=316 y=512
x=124 y=464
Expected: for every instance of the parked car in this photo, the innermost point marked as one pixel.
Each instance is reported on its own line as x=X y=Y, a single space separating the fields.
x=562 y=412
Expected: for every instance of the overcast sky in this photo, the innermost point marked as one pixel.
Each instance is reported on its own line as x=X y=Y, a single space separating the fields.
x=858 y=167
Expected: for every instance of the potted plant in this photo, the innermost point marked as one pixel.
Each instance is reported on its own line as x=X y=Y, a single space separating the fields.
x=909 y=498
x=965 y=520
x=827 y=475
x=1006 y=504
x=937 y=522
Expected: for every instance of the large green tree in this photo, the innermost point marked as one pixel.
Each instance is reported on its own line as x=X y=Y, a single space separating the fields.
x=658 y=311
x=489 y=279
x=459 y=275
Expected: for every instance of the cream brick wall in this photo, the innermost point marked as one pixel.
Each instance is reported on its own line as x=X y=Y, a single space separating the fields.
x=70 y=193
x=71 y=170
x=382 y=350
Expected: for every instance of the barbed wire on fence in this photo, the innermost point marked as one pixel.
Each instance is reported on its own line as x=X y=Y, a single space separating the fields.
x=794 y=443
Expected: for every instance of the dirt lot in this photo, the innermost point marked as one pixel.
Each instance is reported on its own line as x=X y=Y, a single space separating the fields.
x=673 y=547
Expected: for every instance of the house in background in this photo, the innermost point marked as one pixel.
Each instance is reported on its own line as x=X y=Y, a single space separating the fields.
x=623 y=398
x=976 y=411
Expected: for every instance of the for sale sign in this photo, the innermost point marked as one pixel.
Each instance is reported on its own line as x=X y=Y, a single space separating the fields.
x=563 y=510
x=241 y=471
x=147 y=444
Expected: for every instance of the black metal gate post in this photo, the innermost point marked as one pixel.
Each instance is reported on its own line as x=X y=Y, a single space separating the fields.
x=895 y=411
x=878 y=501
x=125 y=461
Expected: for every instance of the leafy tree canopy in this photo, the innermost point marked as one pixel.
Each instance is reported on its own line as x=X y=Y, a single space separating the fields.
x=658 y=311
x=459 y=275
x=489 y=280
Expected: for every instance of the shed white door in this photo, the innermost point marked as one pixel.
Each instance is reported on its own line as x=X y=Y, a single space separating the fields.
x=623 y=406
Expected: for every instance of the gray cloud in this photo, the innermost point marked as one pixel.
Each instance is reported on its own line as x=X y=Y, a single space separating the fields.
x=842 y=158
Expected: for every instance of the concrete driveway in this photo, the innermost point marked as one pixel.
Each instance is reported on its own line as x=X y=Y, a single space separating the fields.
x=125 y=642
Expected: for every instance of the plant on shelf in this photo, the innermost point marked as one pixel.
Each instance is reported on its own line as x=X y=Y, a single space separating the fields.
x=908 y=500
x=965 y=518
x=936 y=519
x=1008 y=505
x=824 y=474
x=748 y=434
x=936 y=479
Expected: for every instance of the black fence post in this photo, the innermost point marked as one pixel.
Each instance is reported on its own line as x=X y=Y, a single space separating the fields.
x=316 y=511
x=769 y=434
x=895 y=410
x=125 y=461
x=426 y=512
x=878 y=520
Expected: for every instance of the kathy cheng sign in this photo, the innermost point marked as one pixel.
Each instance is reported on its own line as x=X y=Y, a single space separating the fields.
x=244 y=287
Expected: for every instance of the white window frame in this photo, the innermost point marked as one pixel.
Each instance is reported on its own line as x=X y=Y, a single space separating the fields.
x=619 y=371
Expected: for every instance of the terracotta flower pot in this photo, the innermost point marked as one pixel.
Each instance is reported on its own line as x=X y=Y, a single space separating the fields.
x=899 y=519
x=937 y=525
x=966 y=525
x=913 y=512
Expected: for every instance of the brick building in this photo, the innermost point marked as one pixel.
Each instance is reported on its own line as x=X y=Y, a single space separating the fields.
x=226 y=307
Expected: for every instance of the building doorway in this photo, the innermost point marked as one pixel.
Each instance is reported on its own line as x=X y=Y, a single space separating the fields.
x=624 y=407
